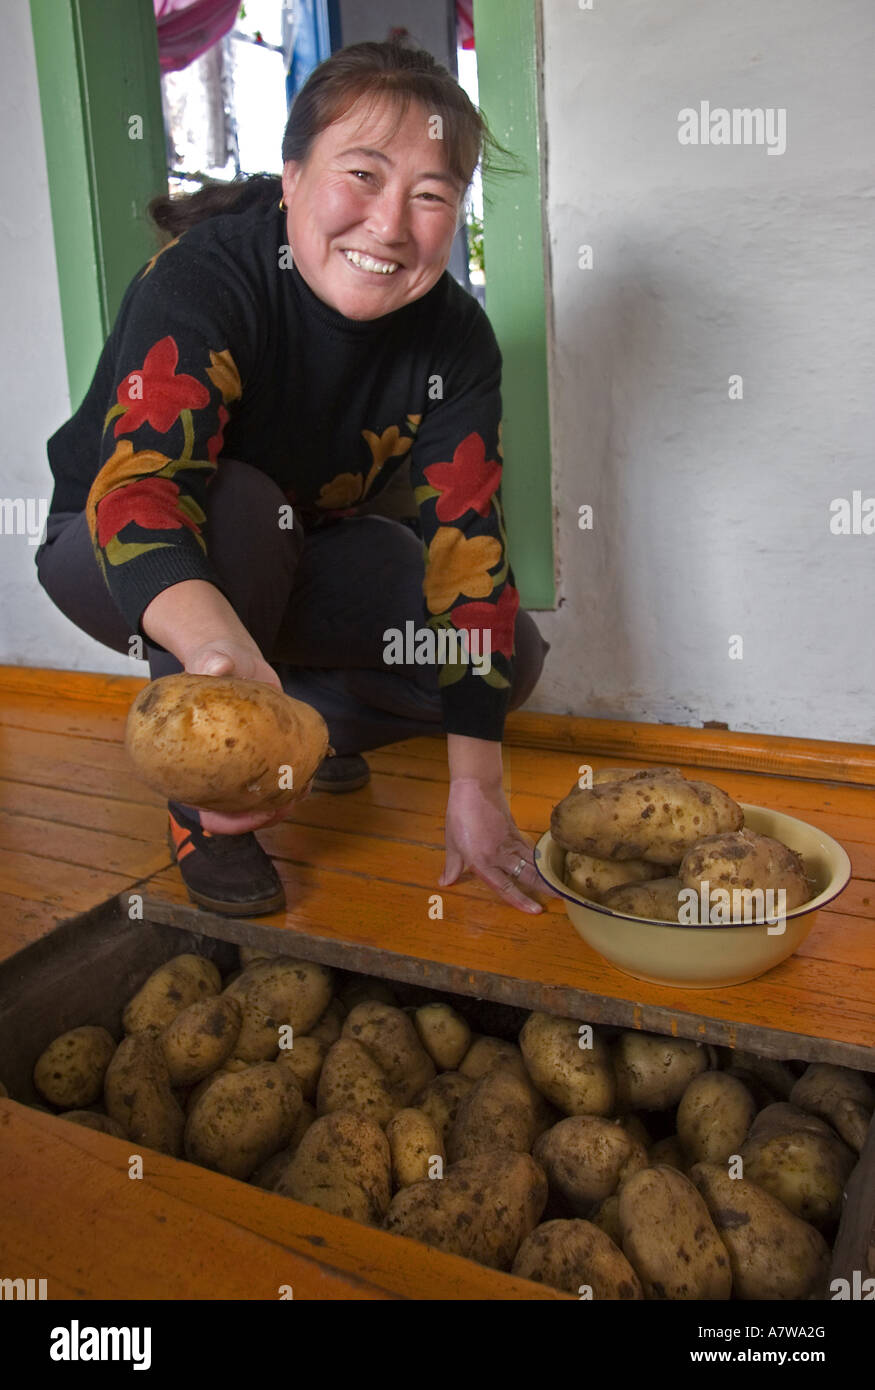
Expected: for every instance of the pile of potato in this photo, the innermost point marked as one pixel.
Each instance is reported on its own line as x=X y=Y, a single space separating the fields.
x=621 y=1164
x=636 y=838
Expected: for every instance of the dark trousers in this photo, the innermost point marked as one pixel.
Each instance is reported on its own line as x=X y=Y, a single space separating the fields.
x=317 y=605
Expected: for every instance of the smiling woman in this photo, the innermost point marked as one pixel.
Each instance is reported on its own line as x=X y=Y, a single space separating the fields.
x=245 y=406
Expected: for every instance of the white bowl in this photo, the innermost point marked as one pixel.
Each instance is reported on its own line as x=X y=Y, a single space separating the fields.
x=709 y=956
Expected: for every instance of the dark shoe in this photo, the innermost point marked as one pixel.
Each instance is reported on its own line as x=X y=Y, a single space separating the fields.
x=225 y=873
x=342 y=773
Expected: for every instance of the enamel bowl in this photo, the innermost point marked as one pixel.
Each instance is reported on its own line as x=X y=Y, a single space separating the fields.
x=706 y=956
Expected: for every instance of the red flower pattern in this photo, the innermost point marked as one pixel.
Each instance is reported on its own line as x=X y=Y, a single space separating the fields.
x=215 y=442
x=154 y=395
x=468 y=482
x=151 y=502
x=500 y=617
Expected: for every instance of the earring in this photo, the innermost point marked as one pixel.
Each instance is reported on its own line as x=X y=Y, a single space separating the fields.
x=282 y=204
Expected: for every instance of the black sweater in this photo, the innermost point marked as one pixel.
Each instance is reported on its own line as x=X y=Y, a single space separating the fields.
x=221 y=348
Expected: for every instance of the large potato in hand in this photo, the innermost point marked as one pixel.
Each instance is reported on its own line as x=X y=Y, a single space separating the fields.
x=742 y=862
x=224 y=744
x=655 y=816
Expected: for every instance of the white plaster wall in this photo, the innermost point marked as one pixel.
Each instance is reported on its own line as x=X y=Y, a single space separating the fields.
x=35 y=399
x=712 y=517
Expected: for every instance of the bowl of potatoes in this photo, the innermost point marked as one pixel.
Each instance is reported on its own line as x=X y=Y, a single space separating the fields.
x=675 y=883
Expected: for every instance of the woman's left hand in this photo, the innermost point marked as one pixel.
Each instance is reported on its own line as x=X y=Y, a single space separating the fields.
x=481 y=835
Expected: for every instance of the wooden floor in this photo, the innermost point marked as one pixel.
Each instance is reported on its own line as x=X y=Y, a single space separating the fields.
x=78 y=828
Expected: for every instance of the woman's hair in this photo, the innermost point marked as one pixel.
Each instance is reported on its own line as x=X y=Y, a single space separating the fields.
x=370 y=70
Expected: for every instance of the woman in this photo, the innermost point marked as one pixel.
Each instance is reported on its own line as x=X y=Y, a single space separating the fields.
x=269 y=371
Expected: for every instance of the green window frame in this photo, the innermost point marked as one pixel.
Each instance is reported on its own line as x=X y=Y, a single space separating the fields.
x=97 y=64
x=508 y=44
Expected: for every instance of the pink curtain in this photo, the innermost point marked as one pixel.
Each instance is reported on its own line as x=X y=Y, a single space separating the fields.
x=187 y=28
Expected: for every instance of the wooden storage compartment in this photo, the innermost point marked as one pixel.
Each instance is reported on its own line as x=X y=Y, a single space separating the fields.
x=85 y=971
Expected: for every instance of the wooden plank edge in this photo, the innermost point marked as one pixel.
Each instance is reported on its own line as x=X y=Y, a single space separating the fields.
x=565 y=1001
x=816 y=759
x=221 y=1198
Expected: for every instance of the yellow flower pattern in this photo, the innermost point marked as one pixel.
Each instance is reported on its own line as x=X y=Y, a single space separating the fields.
x=346 y=489
x=223 y=374
x=457 y=565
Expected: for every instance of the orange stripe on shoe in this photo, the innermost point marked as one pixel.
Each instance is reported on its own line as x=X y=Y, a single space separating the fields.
x=186 y=849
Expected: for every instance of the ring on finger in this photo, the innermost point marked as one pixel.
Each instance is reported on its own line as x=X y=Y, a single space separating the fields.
x=519 y=868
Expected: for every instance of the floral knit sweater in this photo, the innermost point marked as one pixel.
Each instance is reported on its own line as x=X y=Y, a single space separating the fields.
x=221 y=348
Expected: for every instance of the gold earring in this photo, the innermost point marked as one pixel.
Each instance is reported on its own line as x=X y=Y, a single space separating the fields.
x=282 y=204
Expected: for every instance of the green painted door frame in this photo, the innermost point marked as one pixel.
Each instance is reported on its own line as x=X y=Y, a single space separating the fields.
x=100 y=96
x=507 y=36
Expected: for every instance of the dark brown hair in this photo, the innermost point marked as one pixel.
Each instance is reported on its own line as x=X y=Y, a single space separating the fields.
x=372 y=71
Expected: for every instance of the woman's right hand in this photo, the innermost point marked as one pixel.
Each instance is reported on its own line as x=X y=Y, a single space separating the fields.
x=229 y=657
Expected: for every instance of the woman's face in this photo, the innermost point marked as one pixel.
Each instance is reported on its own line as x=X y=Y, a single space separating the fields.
x=373 y=194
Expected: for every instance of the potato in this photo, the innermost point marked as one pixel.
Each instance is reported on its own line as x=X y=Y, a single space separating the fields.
x=578 y=1080
x=783 y=1118
x=414 y=1143
x=625 y=774
x=70 y=1071
x=570 y=1254
x=743 y=861
x=138 y=1097
x=89 y=1119
x=669 y=1238
x=499 y=1112
x=224 y=744
x=654 y=815
x=653 y=1072
x=483 y=1208
x=607 y=1217
x=232 y=1064
x=715 y=1113
x=390 y=1038
x=242 y=1119
x=267 y=1173
x=441 y=1098
x=351 y=1080
x=587 y=1158
x=342 y=1165
x=330 y=1025
x=200 y=1039
x=277 y=992
x=171 y=988
x=486 y=1053
x=804 y=1170
x=443 y=1033
x=657 y=899
x=250 y=954
x=840 y=1095
x=591 y=877
x=773 y=1254
x=304 y=1060
x=669 y=1153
